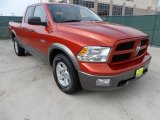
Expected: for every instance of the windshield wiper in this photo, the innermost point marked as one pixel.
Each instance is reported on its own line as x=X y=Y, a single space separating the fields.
x=71 y=20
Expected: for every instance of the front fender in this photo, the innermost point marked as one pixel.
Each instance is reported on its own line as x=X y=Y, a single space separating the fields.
x=67 y=51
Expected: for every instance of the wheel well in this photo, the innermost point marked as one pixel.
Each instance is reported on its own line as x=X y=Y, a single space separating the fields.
x=53 y=53
x=59 y=48
x=12 y=35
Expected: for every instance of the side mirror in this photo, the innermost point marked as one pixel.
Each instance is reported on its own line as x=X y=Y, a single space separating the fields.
x=36 y=21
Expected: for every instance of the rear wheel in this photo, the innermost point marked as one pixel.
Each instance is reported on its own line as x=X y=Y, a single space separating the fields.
x=18 y=49
x=65 y=74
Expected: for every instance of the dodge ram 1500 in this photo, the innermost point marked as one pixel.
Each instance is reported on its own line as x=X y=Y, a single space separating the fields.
x=83 y=50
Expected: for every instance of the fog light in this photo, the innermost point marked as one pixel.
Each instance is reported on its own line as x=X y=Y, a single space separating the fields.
x=103 y=82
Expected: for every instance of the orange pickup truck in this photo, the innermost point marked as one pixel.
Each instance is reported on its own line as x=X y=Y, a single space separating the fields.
x=83 y=50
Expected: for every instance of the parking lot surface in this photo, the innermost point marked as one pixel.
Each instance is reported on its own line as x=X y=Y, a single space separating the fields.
x=28 y=92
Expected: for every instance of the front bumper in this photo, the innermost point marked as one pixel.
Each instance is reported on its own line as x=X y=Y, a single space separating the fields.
x=88 y=82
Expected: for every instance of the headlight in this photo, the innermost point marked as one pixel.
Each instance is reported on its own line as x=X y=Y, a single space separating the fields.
x=94 y=54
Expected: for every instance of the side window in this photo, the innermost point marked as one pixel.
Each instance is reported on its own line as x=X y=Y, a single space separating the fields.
x=40 y=12
x=85 y=15
x=29 y=13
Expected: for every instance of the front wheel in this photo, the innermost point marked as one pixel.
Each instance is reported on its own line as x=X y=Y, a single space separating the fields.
x=65 y=74
x=18 y=49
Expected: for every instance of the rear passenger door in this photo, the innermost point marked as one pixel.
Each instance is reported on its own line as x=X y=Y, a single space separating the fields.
x=24 y=29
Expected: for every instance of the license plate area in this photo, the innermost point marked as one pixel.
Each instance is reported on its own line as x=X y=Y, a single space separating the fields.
x=139 y=72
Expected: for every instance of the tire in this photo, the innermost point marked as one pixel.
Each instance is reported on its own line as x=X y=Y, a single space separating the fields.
x=65 y=74
x=18 y=49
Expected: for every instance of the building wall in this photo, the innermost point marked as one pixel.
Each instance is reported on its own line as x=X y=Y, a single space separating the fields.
x=143 y=4
x=140 y=7
x=139 y=11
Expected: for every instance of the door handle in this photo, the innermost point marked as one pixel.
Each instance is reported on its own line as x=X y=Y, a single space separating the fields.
x=31 y=30
x=43 y=41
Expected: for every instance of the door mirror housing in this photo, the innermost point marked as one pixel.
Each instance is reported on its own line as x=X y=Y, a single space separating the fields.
x=36 y=21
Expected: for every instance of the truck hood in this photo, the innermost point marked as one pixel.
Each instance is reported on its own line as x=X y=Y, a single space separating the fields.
x=103 y=32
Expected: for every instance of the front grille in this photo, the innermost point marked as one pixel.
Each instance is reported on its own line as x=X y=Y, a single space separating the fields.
x=140 y=52
x=129 y=50
x=118 y=58
x=143 y=42
x=125 y=46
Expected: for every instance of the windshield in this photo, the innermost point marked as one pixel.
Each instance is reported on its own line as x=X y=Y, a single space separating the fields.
x=72 y=13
